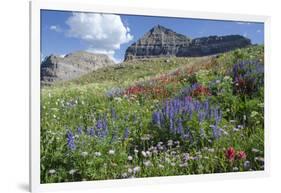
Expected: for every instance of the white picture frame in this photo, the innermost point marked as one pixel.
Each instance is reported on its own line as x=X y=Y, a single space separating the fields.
x=36 y=6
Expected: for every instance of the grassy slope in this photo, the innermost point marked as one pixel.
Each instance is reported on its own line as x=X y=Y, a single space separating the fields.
x=77 y=103
x=89 y=92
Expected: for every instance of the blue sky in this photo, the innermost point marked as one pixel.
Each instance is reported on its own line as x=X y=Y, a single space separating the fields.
x=65 y=32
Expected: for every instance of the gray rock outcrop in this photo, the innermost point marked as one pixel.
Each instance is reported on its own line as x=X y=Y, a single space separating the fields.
x=57 y=68
x=161 y=41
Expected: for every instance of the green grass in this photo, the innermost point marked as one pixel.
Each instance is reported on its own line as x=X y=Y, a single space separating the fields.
x=82 y=102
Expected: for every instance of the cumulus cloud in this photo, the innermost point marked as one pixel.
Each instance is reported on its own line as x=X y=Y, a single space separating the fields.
x=243 y=23
x=55 y=28
x=109 y=53
x=104 y=33
x=245 y=34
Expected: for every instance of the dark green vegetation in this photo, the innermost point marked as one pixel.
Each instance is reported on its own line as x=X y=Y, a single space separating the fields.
x=157 y=117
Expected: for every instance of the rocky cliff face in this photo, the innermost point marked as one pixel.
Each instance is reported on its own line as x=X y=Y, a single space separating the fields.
x=56 y=68
x=160 y=41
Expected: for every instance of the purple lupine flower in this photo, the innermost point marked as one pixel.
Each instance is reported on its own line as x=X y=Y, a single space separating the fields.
x=178 y=110
x=113 y=114
x=215 y=130
x=114 y=135
x=99 y=124
x=201 y=116
x=180 y=127
x=126 y=133
x=135 y=120
x=171 y=127
x=91 y=131
x=105 y=125
x=156 y=118
x=79 y=130
x=250 y=72
x=187 y=135
x=70 y=140
x=166 y=108
x=217 y=116
x=202 y=132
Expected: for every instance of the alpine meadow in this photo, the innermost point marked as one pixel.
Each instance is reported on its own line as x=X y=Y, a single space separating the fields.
x=174 y=105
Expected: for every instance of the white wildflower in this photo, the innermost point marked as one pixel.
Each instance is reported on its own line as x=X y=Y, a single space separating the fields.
x=182 y=165
x=145 y=137
x=260 y=159
x=173 y=153
x=84 y=153
x=186 y=156
x=159 y=143
x=114 y=164
x=136 y=169
x=98 y=154
x=143 y=154
x=247 y=165
x=111 y=152
x=170 y=142
x=147 y=163
x=240 y=126
x=155 y=151
x=224 y=132
x=226 y=78
x=150 y=148
x=148 y=153
x=161 y=166
x=130 y=170
x=167 y=160
x=52 y=171
x=160 y=147
x=130 y=158
x=176 y=142
x=72 y=171
x=254 y=150
x=124 y=175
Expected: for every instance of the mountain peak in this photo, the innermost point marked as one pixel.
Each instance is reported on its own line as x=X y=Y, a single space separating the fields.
x=161 y=41
x=159 y=28
x=73 y=65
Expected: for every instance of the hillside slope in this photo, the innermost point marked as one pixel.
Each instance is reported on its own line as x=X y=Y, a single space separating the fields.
x=156 y=117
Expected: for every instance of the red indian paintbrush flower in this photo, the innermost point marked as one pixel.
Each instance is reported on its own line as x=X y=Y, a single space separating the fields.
x=241 y=155
x=230 y=153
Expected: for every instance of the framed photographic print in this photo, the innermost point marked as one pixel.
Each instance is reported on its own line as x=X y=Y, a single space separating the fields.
x=126 y=96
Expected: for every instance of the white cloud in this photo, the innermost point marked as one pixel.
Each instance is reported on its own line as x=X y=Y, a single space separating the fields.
x=258 y=31
x=42 y=57
x=245 y=34
x=104 y=33
x=110 y=53
x=55 y=28
x=243 y=23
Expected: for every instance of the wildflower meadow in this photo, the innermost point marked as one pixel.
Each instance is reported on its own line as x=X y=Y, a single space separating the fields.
x=156 y=117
